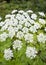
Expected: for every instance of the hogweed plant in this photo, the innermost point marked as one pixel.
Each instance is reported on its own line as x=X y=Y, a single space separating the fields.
x=23 y=38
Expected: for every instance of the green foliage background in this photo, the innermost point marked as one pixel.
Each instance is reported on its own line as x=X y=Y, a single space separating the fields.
x=35 y=5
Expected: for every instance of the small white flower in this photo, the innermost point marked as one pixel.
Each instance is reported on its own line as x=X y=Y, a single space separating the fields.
x=42 y=21
x=41 y=38
x=20 y=35
x=32 y=21
x=21 y=22
x=10 y=28
x=33 y=29
x=12 y=16
x=8 y=54
x=41 y=13
x=3 y=36
x=21 y=11
x=2 y=23
x=31 y=52
x=20 y=17
x=4 y=27
x=45 y=37
x=45 y=29
x=17 y=44
x=27 y=18
x=7 y=21
x=11 y=34
x=15 y=22
x=14 y=11
x=25 y=30
x=25 y=14
x=19 y=26
x=29 y=11
x=16 y=29
x=27 y=24
x=28 y=37
x=8 y=16
x=34 y=16
x=37 y=25
x=11 y=31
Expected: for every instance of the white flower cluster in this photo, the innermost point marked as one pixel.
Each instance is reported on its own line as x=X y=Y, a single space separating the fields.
x=42 y=21
x=17 y=44
x=8 y=54
x=22 y=25
x=31 y=52
x=3 y=36
x=41 y=38
x=41 y=13
x=45 y=29
x=28 y=37
x=34 y=16
x=20 y=35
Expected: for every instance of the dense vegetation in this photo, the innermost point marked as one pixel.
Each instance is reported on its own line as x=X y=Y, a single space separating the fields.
x=35 y=5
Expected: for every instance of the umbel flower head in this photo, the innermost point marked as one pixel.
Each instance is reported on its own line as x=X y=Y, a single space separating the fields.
x=23 y=29
x=8 y=54
x=34 y=16
x=41 y=14
x=28 y=37
x=17 y=44
x=41 y=38
x=3 y=36
x=31 y=52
